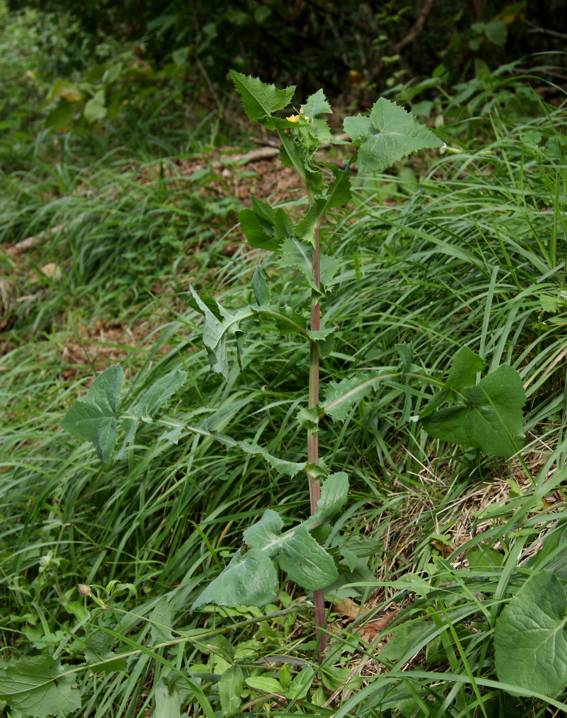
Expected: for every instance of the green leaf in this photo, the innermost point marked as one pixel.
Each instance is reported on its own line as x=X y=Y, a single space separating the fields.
x=282 y=466
x=264 y=227
x=406 y=640
x=339 y=192
x=62 y=116
x=296 y=156
x=259 y=99
x=260 y=286
x=37 y=687
x=98 y=648
x=215 y=331
x=267 y=684
x=230 y=688
x=337 y=195
x=490 y=418
x=306 y=562
x=265 y=534
x=497 y=32
x=464 y=368
x=94 y=417
x=250 y=579
x=329 y=268
x=168 y=700
x=257 y=231
x=358 y=127
x=529 y=639
x=158 y=394
x=297 y=255
x=391 y=134
x=316 y=104
x=301 y=684
x=95 y=109
x=334 y=494
x=341 y=396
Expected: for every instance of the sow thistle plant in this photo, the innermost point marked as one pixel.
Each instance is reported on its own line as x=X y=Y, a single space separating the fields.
x=482 y=414
x=486 y=415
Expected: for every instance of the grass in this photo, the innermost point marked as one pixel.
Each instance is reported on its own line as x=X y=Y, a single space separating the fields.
x=475 y=255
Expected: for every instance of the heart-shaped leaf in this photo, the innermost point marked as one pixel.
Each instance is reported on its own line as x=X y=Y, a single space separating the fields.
x=94 y=417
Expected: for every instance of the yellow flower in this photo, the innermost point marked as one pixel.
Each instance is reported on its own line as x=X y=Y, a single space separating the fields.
x=294 y=118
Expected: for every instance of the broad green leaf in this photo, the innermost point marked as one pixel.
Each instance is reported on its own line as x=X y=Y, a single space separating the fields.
x=230 y=688
x=264 y=683
x=265 y=533
x=329 y=268
x=215 y=331
x=464 y=368
x=341 y=396
x=259 y=99
x=260 y=286
x=95 y=109
x=306 y=562
x=316 y=104
x=168 y=700
x=250 y=579
x=264 y=227
x=98 y=648
x=318 y=129
x=161 y=619
x=297 y=255
x=334 y=494
x=257 y=231
x=158 y=393
x=406 y=640
x=392 y=135
x=490 y=418
x=530 y=640
x=339 y=192
x=62 y=116
x=358 y=127
x=94 y=417
x=301 y=684
x=305 y=228
x=37 y=687
x=337 y=195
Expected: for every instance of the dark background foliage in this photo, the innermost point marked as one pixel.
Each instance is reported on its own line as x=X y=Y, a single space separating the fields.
x=339 y=45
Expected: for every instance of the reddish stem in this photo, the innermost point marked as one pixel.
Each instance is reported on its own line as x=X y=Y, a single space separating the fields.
x=313 y=435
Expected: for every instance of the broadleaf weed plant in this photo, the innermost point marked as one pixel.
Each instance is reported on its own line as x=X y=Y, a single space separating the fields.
x=479 y=414
x=485 y=415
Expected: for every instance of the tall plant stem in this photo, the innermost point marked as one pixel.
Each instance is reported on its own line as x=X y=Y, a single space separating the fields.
x=313 y=435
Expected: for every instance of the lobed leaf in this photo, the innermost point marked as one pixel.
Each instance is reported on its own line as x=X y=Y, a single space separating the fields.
x=94 y=417
x=316 y=104
x=388 y=135
x=216 y=330
x=260 y=99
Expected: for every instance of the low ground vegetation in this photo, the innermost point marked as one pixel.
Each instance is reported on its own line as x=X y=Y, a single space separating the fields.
x=100 y=563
